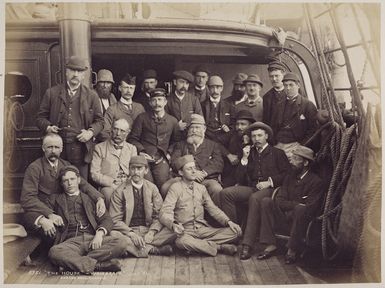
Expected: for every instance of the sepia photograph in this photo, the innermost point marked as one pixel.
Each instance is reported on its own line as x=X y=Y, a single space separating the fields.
x=191 y=143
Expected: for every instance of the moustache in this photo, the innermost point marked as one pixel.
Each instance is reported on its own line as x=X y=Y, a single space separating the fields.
x=183 y=89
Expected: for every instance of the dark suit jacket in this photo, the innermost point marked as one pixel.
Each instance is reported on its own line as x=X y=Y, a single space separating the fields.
x=226 y=112
x=58 y=203
x=202 y=95
x=182 y=110
x=39 y=183
x=53 y=106
x=308 y=191
x=273 y=163
x=208 y=156
x=273 y=106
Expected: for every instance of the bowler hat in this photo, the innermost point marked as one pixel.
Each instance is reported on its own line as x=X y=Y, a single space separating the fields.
x=105 y=75
x=215 y=81
x=76 y=63
x=304 y=152
x=139 y=160
x=197 y=119
x=201 y=68
x=245 y=114
x=260 y=125
x=150 y=73
x=239 y=78
x=158 y=92
x=290 y=76
x=181 y=161
x=182 y=74
x=12 y=231
x=130 y=80
x=253 y=78
x=276 y=65
x=68 y=168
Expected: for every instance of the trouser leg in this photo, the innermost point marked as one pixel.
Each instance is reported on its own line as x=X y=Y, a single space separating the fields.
x=254 y=216
x=74 y=153
x=163 y=237
x=112 y=247
x=107 y=192
x=130 y=246
x=189 y=241
x=266 y=234
x=214 y=189
x=160 y=173
x=231 y=196
x=301 y=219
x=217 y=235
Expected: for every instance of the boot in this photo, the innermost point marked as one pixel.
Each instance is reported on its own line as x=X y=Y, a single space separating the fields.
x=165 y=250
x=112 y=265
x=228 y=249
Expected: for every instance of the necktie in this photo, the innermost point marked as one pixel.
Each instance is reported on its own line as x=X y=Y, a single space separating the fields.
x=118 y=147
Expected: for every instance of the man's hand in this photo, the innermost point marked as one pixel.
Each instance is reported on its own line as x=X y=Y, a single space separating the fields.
x=85 y=135
x=96 y=243
x=263 y=185
x=235 y=227
x=225 y=128
x=137 y=240
x=56 y=219
x=53 y=129
x=100 y=207
x=246 y=151
x=200 y=176
x=178 y=229
x=47 y=226
x=182 y=125
x=234 y=160
x=149 y=237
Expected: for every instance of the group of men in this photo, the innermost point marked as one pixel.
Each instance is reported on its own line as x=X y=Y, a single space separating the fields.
x=159 y=163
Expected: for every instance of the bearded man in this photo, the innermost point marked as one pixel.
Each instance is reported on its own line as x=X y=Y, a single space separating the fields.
x=103 y=87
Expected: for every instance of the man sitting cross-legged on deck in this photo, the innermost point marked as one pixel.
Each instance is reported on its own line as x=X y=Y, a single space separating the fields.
x=183 y=210
x=135 y=209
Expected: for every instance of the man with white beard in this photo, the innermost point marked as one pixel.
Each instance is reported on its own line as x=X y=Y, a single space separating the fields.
x=207 y=156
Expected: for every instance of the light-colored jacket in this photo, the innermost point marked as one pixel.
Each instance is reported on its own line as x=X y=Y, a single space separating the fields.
x=185 y=206
x=107 y=161
x=122 y=206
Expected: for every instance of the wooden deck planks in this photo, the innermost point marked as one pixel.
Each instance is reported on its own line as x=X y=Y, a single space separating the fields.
x=292 y=272
x=237 y=272
x=128 y=266
x=140 y=271
x=196 y=270
x=154 y=270
x=251 y=272
x=223 y=270
x=167 y=276
x=280 y=274
x=268 y=276
x=210 y=274
x=182 y=271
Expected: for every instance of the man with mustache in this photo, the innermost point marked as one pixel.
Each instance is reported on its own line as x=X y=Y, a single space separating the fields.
x=261 y=168
x=104 y=85
x=73 y=111
x=109 y=166
x=297 y=202
x=254 y=102
x=207 y=154
x=201 y=76
x=154 y=133
x=125 y=108
x=181 y=103
x=238 y=93
x=150 y=81
x=219 y=114
x=41 y=180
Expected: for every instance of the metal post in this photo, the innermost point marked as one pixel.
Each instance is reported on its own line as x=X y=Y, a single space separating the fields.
x=75 y=35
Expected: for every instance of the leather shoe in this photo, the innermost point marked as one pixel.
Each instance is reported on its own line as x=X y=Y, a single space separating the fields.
x=245 y=253
x=165 y=250
x=112 y=265
x=266 y=254
x=290 y=259
x=228 y=249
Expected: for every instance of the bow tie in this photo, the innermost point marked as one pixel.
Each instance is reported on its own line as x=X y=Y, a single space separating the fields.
x=117 y=147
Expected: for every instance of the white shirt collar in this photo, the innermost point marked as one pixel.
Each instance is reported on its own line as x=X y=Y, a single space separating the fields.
x=72 y=89
x=74 y=194
x=137 y=186
x=279 y=90
x=200 y=88
x=53 y=164
x=179 y=96
x=215 y=101
x=126 y=102
x=263 y=148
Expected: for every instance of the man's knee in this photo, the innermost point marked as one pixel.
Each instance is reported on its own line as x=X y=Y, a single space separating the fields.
x=267 y=203
x=300 y=211
x=55 y=252
x=228 y=193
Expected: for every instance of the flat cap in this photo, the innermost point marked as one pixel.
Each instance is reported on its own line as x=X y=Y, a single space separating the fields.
x=304 y=152
x=76 y=63
x=276 y=65
x=239 y=78
x=215 y=81
x=68 y=168
x=290 y=76
x=139 y=160
x=260 y=125
x=150 y=73
x=197 y=119
x=181 y=161
x=182 y=74
x=129 y=79
x=245 y=114
x=201 y=68
x=158 y=92
x=253 y=78
x=105 y=75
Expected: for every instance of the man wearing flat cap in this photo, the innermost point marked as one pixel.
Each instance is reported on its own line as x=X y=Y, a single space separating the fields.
x=261 y=169
x=150 y=81
x=297 y=202
x=73 y=111
x=154 y=134
x=125 y=108
x=254 y=102
x=183 y=211
x=199 y=88
x=274 y=99
x=134 y=209
x=181 y=103
x=298 y=122
x=83 y=243
x=104 y=84
x=238 y=94
x=207 y=154
x=219 y=114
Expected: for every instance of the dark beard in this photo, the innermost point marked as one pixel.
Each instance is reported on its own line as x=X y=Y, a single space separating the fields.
x=103 y=93
x=237 y=95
